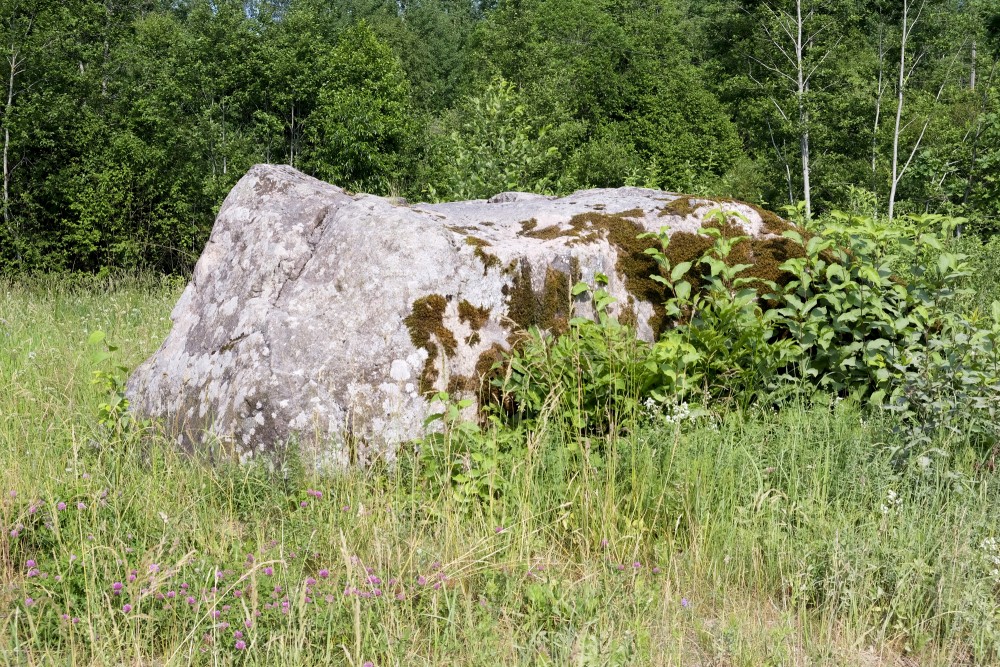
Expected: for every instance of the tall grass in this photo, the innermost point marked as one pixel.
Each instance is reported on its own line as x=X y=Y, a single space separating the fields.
x=748 y=538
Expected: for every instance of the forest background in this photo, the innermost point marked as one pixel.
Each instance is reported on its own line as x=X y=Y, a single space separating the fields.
x=125 y=122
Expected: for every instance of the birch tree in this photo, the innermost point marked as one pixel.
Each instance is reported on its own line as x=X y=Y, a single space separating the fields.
x=22 y=30
x=910 y=59
x=796 y=38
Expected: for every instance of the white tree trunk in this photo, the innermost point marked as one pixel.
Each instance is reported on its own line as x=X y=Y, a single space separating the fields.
x=899 y=110
x=15 y=65
x=879 y=92
x=802 y=89
x=972 y=69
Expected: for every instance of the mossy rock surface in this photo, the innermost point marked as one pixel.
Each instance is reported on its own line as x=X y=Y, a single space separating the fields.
x=329 y=318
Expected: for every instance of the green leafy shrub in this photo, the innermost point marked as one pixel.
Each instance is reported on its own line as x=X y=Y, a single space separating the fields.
x=869 y=310
x=489 y=144
x=361 y=129
x=721 y=343
x=590 y=379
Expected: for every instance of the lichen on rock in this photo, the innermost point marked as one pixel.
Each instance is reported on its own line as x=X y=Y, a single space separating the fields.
x=328 y=318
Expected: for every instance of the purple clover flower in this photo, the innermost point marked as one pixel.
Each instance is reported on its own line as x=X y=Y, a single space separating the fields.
x=240 y=644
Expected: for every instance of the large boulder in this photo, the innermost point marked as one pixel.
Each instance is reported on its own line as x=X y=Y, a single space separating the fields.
x=329 y=318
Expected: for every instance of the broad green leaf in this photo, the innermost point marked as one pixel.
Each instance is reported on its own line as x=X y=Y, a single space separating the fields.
x=679 y=270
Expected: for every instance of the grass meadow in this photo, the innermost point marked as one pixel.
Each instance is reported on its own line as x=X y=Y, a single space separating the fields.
x=750 y=537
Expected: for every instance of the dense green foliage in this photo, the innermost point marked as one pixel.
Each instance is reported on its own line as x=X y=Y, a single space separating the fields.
x=882 y=314
x=125 y=122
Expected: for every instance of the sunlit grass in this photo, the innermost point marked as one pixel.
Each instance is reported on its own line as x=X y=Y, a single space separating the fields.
x=754 y=538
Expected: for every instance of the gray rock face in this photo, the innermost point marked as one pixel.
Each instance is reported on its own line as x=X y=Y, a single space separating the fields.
x=328 y=317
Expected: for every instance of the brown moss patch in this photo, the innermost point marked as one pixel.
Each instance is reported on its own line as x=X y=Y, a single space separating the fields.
x=548 y=233
x=425 y=324
x=775 y=224
x=683 y=206
x=555 y=302
x=764 y=255
x=489 y=370
x=549 y=309
x=627 y=315
x=633 y=263
x=522 y=306
x=474 y=316
x=488 y=259
x=477 y=242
